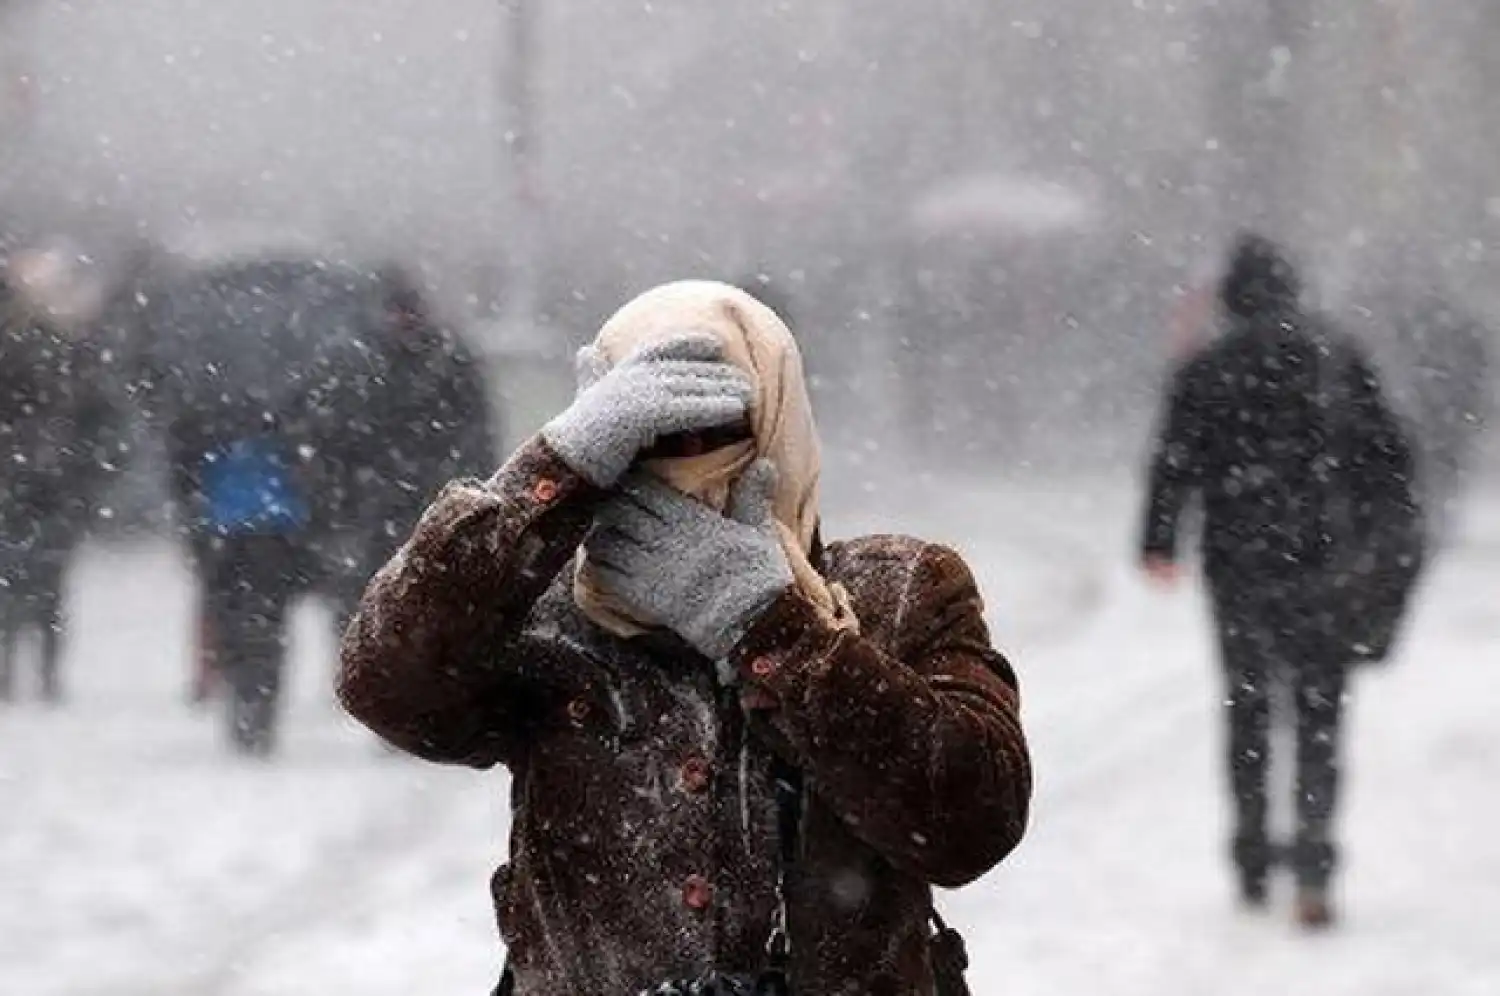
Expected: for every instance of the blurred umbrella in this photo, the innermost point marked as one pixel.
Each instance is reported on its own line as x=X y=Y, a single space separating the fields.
x=292 y=340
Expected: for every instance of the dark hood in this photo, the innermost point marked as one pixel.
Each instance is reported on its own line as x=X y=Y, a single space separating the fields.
x=1260 y=281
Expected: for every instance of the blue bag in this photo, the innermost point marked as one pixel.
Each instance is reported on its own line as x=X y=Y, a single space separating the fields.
x=249 y=487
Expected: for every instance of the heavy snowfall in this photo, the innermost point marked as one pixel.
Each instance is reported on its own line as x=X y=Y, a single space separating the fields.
x=381 y=230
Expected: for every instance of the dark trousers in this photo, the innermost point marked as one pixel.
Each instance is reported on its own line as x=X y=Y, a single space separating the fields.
x=1271 y=639
x=251 y=581
x=33 y=599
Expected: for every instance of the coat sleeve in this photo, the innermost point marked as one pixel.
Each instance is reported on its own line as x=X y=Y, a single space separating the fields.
x=1176 y=467
x=433 y=660
x=923 y=757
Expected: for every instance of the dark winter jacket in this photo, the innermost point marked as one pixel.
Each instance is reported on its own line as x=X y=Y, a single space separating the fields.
x=1248 y=427
x=432 y=420
x=644 y=837
x=424 y=421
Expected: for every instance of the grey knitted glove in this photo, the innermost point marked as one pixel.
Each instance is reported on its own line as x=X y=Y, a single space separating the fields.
x=682 y=384
x=675 y=561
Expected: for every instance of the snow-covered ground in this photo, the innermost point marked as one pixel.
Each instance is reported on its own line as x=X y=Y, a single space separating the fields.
x=137 y=859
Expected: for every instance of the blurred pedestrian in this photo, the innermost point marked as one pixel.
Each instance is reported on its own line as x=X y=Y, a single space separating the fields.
x=235 y=348
x=64 y=431
x=254 y=510
x=427 y=420
x=747 y=757
x=1310 y=542
x=439 y=399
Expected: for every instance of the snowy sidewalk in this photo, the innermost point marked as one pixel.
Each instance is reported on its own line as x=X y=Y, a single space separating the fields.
x=136 y=859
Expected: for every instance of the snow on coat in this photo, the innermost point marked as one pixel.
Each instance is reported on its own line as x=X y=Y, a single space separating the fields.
x=644 y=841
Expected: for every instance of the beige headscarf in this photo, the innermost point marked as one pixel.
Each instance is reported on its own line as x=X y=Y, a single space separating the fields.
x=759 y=343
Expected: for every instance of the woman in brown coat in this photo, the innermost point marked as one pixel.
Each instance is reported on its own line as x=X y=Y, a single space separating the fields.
x=733 y=749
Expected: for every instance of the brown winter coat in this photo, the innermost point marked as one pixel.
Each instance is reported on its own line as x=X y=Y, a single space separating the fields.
x=644 y=841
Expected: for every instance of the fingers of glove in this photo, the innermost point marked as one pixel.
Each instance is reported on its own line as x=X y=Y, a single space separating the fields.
x=627 y=528
x=692 y=414
x=613 y=578
x=610 y=552
x=590 y=367
x=652 y=501
x=695 y=377
x=614 y=539
x=687 y=346
x=627 y=516
x=665 y=517
x=753 y=497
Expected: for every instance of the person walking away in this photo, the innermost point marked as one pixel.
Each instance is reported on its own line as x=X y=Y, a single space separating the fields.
x=1277 y=427
x=254 y=510
x=739 y=756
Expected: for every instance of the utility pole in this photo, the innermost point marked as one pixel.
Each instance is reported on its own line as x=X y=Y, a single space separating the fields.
x=526 y=358
x=16 y=97
x=523 y=227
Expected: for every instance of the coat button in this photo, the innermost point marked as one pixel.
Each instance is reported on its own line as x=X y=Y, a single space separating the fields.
x=697 y=893
x=578 y=710
x=696 y=774
x=544 y=490
x=763 y=667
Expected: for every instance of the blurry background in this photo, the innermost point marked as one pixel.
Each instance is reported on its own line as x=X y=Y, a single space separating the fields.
x=981 y=218
x=1112 y=146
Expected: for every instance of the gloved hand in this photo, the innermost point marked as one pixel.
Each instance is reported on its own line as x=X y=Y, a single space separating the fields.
x=674 y=561
x=682 y=384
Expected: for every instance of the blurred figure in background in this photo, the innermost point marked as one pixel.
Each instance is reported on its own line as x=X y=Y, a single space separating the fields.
x=1281 y=429
x=427 y=419
x=64 y=432
x=253 y=511
x=245 y=363
x=1436 y=353
x=373 y=406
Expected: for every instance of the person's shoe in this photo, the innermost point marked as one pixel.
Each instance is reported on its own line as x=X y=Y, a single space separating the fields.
x=1314 y=912
x=1253 y=858
x=1254 y=892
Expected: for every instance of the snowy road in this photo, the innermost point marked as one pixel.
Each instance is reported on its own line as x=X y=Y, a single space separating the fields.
x=136 y=859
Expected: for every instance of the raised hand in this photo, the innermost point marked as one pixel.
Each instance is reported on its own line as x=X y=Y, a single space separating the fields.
x=682 y=384
x=674 y=561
